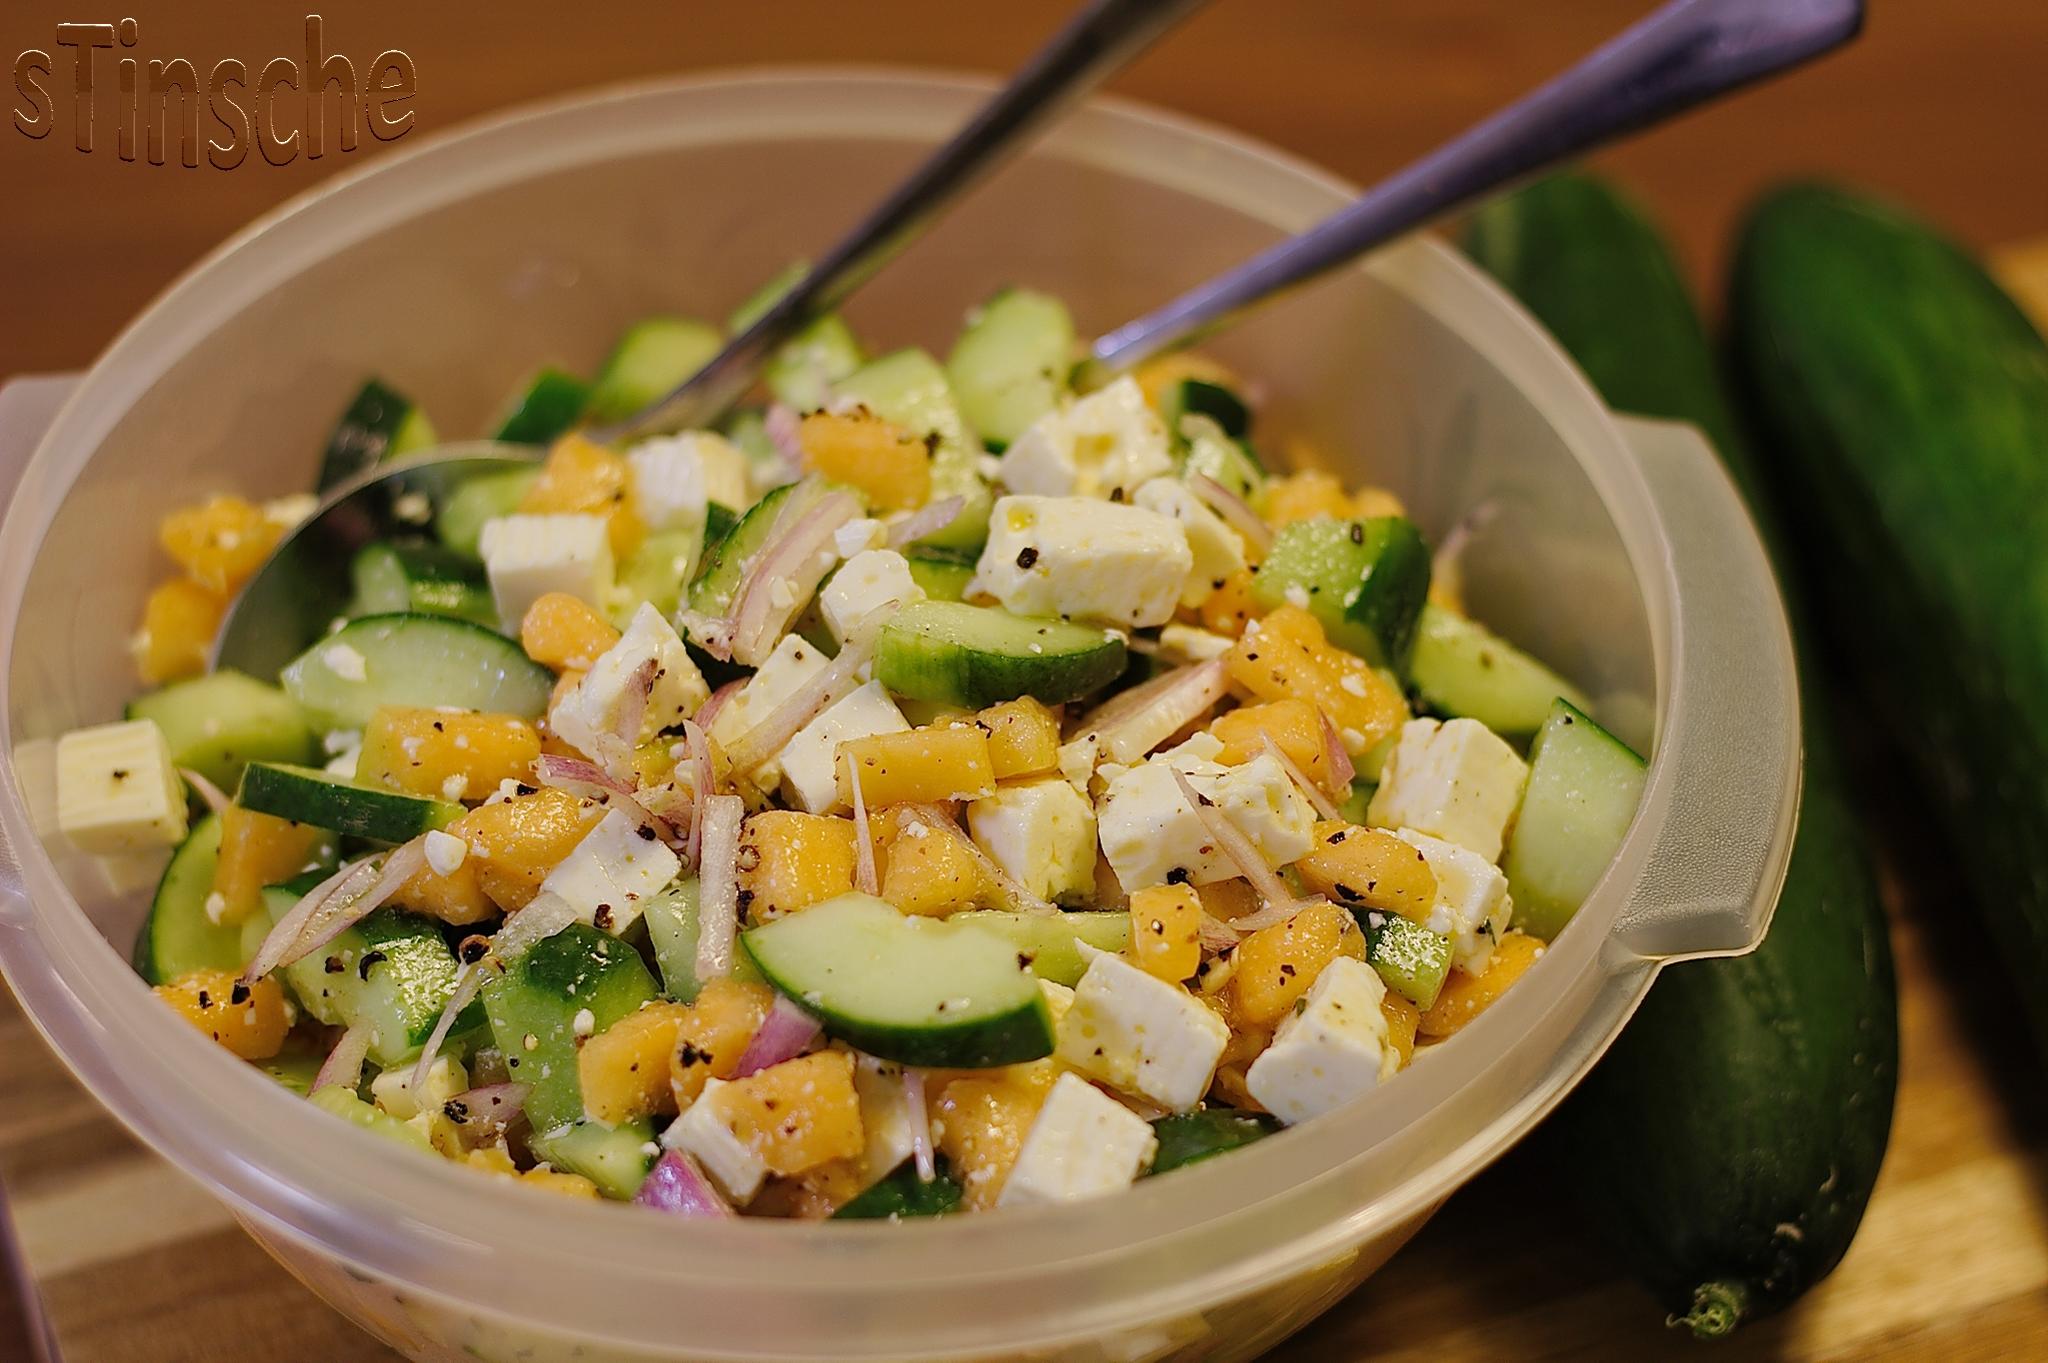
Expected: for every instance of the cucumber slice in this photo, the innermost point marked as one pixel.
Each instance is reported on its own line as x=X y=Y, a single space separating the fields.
x=393 y=971
x=1010 y=365
x=177 y=937
x=672 y=931
x=309 y=795
x=902 y=1193
x=1411 y=959
x=615 y=1158
x=1232 y=463
x=909 y=388
x=1050 y=945
x=533 y=1007
x=719 y=574
x=429 y=578
x=975 y=656
x=942 y=573
x=407 y=658
x=1190 y=1137
x=1365 y=580
x=460 y=522
x=719 y=519
x=748 y=430
x=546 y=407
x=379 y=424
x=658 y=571
x=1584 y=786
x=919 y=991
x=1199 y=397
x=219 y=723
x=340 y=1102
x=1462 y=668
x=651 y=358
x=295 y=1067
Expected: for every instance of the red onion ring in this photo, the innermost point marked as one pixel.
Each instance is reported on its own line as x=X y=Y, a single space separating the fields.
x=864 y=878
x=1324 y=805
x=343 y=1066
x=210 y=794
x=1234 y=845
x=487 y=1111
x=1008 y=892
x=786 y=1033
x=1342 y=769
x=928 y=519
x=806 y=703
x=677 y=1186
x=920 y=1125
x=1235 y=511
x=1139 y=720
x=718 y=903
x=796 y=557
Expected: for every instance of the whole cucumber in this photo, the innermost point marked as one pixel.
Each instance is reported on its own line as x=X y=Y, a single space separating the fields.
x=1728 y=1142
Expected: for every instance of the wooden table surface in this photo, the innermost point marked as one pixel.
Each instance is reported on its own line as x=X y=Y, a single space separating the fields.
x=1941 y=104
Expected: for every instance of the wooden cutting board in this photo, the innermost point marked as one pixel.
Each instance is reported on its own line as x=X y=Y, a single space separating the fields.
x=124 y=1260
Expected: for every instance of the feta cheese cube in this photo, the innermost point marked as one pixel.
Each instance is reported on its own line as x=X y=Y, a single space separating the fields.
x=1331 y=1049
x=704 y=1134
x=1150 y=834
x=781 y=675
x=1101 y=445
x=649 y=654
x=1077 y=759
x=1075 y=556
x=810 y=760
x=445 y=852
x=1059 y=1000
x=526 y=557
x=610 y=875
x=1042 y=833
x=1180 y=643
x=1218 y=550
x=1472 y=906
x=674 y=476
x=393 y=1091
x=865 y=583
x=1082 y=1144
x=1140 y=1035
x=1457 y=780
x=862 y=532
x=118 y=789
x=888 y=1126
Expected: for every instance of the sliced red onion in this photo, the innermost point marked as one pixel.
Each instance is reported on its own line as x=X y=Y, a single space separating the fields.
x=718 y=901
x=708 y=711
x=1234 y=845
x=697 y=740
x=341 y=913
x=1447 y=566
x=786 y=1033
x=864 y=877
x=212 y=795
x=544 y=915
x=1342 y=768
x=920 y=1125
x=1142 y=718
x=926 y=520
x=1008 y=892
x=487 y=1111
x=1235 y=511
x=633 y=709
x=677 y=1186
x=1275 y=913
x=805 y=704
x=1324 y=805
x=1215 y=934
x=574 y=776
x=351 y=878
x=344 y=1064
x=780 y=580
x=783 y=425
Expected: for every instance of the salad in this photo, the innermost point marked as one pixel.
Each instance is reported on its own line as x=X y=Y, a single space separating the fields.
x=938 y=790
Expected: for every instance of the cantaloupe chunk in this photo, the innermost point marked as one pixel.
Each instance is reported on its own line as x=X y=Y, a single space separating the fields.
x=1275 y=966
x=1304 y=496
x=625 y=1068
x=450 y=755
x=1166 y=931
x=982 y=1122
x=797 y=1115
x=1466 y=996
x=1287 y=656
x=249 y=1020
x=1295 y=726
x=1023 y=737
x=179 y=621
x=1229 y=608
x=1368 y=867
x=513 y=844
x=581 y=477
x=712 y=1035
x=257 y=850
x=221 y=543
x=789 y=861
x=565 y=632
x=918 y=766
x=1403 y=1019
x=926 y=870
x=891 y=466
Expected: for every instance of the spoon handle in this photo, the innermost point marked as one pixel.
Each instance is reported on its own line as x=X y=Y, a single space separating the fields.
x=1092 y=46
x=1683 y=55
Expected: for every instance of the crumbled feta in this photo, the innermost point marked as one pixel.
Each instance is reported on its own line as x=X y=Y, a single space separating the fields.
x=1077 y=758
x=118 y=788
x=1331 y=1049
x=1455 y=780
x=1218 y=550
x=703 y=1133
x=526 y=557
x=1472 y=906
x=794 y=662
x=393 y=1091
x=1042 y=833
x=862 y=532
x=649 y=654
x=1140 y=1035
x=810 y=760
x=1082 y=1144
x=1082 y=558
x=1151 y=835
x=292 y=510
x=870 y=580
x=345 y=662
x=445 y=852
x=608 y=877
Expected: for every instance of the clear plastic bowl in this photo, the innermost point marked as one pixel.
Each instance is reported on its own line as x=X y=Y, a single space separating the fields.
x=1620 y=553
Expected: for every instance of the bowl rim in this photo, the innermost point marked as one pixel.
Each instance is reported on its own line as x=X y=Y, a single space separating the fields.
x=404 y=1219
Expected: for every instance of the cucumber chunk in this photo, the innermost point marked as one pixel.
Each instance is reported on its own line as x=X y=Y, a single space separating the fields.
x=719 y=574
x=909 y=388
x=408 y=658
x=1233 y=463
x=380 y=423
x=177 y=937
x=1190 y=1137
x=546 y=407
x=219 y=723
x=1199 y=397
x=1010 y=365
x=340 y=1102
x=1461 y=668
x=533 y=1006
x=672 y=921
x=1584 y=785
x=1364 y=580
x=1412 y=960
x=1053 y=944
x=974 y=656
x=942 y=574
x=902 y=1193
x=393 y=971
x=615 y=1158
x=651 y=358
x=459 y=523
x=657 y=571
x=919 y=991
x=429 y=578
x=295 y=1067
x=321 y=799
